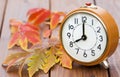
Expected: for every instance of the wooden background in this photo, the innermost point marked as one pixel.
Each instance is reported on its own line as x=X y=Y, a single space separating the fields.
x=18 y=8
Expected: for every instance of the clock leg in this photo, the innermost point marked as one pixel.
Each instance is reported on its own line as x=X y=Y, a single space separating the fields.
x=105 y=64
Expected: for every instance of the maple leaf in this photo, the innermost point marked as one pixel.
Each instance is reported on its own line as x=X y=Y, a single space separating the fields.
x=43 y=60
x=65 y=60
x=13 y=58
x=56 y=19
x=22 y=33
x=36 y=16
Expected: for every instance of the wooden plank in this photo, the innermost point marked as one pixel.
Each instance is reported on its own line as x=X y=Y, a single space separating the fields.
x=2 y=10
x=78 y=70
x=16 y=9
x=67 y=6
x=112 y=6
x=114 y=62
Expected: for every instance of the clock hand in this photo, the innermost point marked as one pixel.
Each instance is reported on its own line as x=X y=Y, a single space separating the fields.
x=84 y=37
x=78 y=40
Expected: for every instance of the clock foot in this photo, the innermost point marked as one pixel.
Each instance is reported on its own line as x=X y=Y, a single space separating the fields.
x=105 y=64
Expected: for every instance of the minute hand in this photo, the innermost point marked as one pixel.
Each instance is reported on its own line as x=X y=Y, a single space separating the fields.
x=84 y=36
x=83 y=27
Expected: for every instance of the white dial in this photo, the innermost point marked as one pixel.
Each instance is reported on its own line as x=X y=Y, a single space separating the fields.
x=84 y=37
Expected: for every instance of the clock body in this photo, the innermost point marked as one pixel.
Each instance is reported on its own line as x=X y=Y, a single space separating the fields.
x=89 y=35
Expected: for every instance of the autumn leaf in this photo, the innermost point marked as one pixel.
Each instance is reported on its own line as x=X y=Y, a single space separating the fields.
x=57 y=49
x=23 y=33
x=36 y=16
x=47 y=33
x=14 y=25
x=13 y=58
x=56 y=19
x=65 y=60
x=43 y=60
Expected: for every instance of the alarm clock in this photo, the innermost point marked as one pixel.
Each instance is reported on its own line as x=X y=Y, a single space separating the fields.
x=89 y=35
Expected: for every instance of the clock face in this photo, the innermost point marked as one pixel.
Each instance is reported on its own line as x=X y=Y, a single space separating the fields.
x=84 y=37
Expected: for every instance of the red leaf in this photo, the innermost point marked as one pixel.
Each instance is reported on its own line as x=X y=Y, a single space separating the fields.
x=33 y=13
x=13 y=40
x=25 y=32
x=55 y=19
x=32 y=37
x=37 y=16
x=42 y=17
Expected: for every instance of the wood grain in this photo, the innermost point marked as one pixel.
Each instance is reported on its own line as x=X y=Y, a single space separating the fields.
x=113 y=6
x=16 y=9
x=3 y=4
x=67 y=6
x=77 y=71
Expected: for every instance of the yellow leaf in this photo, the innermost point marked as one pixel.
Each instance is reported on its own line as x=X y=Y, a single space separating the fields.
x=41 y=59
x=23 y=42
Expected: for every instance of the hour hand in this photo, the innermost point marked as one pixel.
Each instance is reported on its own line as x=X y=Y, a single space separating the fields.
x=78 y=40
x=82 y=38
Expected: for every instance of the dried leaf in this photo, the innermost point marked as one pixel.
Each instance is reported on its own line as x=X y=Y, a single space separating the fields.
x=21 y=67
x=55 y=19
x=14 y=25
x=12 y=58
x=65 y=60
x=24 y=33
x=47 y=33
x=37 y=16
x=43 y=60
x=50 y=61
x=13 y=40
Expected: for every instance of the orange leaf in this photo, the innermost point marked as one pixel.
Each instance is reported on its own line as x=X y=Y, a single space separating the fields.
x=65 y=60
x=32 y=37
x=14 y=39
x=55 y=19
x=15 y=22
x=14 y=25
x=26 y=32
x=37 y=16
x=33 y=13
x=42 y=17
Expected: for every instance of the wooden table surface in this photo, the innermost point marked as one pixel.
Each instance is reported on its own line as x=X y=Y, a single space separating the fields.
x=18 y=8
